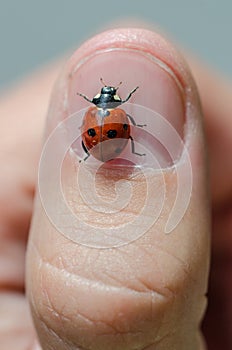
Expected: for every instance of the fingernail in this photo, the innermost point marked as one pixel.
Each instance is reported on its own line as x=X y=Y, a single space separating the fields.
x=158 y=104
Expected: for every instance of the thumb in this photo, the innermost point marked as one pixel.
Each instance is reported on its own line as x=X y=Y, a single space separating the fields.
x=122 y=261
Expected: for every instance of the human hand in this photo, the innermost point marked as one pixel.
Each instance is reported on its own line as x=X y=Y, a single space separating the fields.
x=145 y=295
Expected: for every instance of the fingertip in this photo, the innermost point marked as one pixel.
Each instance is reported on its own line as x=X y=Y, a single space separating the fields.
x=143 y=259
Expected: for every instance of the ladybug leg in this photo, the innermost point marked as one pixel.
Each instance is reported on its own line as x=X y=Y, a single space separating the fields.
x=129 y=96
x=134 y=123
x=133 y=148
x=85 y=97
x=86 y=151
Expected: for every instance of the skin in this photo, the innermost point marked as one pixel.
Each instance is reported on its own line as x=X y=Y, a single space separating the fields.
x=172 y=282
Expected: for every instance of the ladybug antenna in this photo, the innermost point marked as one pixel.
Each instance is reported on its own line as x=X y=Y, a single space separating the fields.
x=118 y=85
x=101 y=80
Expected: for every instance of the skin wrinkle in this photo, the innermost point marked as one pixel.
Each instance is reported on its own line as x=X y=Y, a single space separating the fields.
x=161 y=320
x=149 y=288
x=146 y=286
x=128 y=216
x=86 y=261
x=58 y=314
x=62 y=317
x=185 y=269
x=99 y=283
x=172 y=292
x=56 y=335
x=89 y=320
x=131 y=274
x=49 y=328
x=183 y=264
x=158 y=341
x=120 y=284
x=86 y=256
x=161 y=325
x=79 y=315
x=68 y=341
x=103 y=285
x=143 y=284
x=200 y=314
x=157 y=266
x=92 y=280
x=158 y=248
x=53 y=332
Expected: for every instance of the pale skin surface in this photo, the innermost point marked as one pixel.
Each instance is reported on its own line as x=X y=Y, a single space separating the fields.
x=127 y=287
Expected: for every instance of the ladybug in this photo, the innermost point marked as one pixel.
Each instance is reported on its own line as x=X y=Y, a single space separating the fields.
x=106 y=129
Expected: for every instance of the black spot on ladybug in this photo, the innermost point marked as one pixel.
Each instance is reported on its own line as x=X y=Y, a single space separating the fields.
x=125 y=126
x=112 y=134
x=91 y=132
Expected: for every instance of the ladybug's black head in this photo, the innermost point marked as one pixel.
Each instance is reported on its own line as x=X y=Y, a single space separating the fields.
x=108 y=97
x=108 y=90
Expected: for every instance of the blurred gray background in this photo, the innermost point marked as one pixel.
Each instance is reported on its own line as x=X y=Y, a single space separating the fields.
x=34 y=32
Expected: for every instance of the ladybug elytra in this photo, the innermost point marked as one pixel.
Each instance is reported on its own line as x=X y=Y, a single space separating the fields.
x=105 y=122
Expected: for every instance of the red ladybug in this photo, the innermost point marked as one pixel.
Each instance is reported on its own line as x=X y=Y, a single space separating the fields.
x=105 y=122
